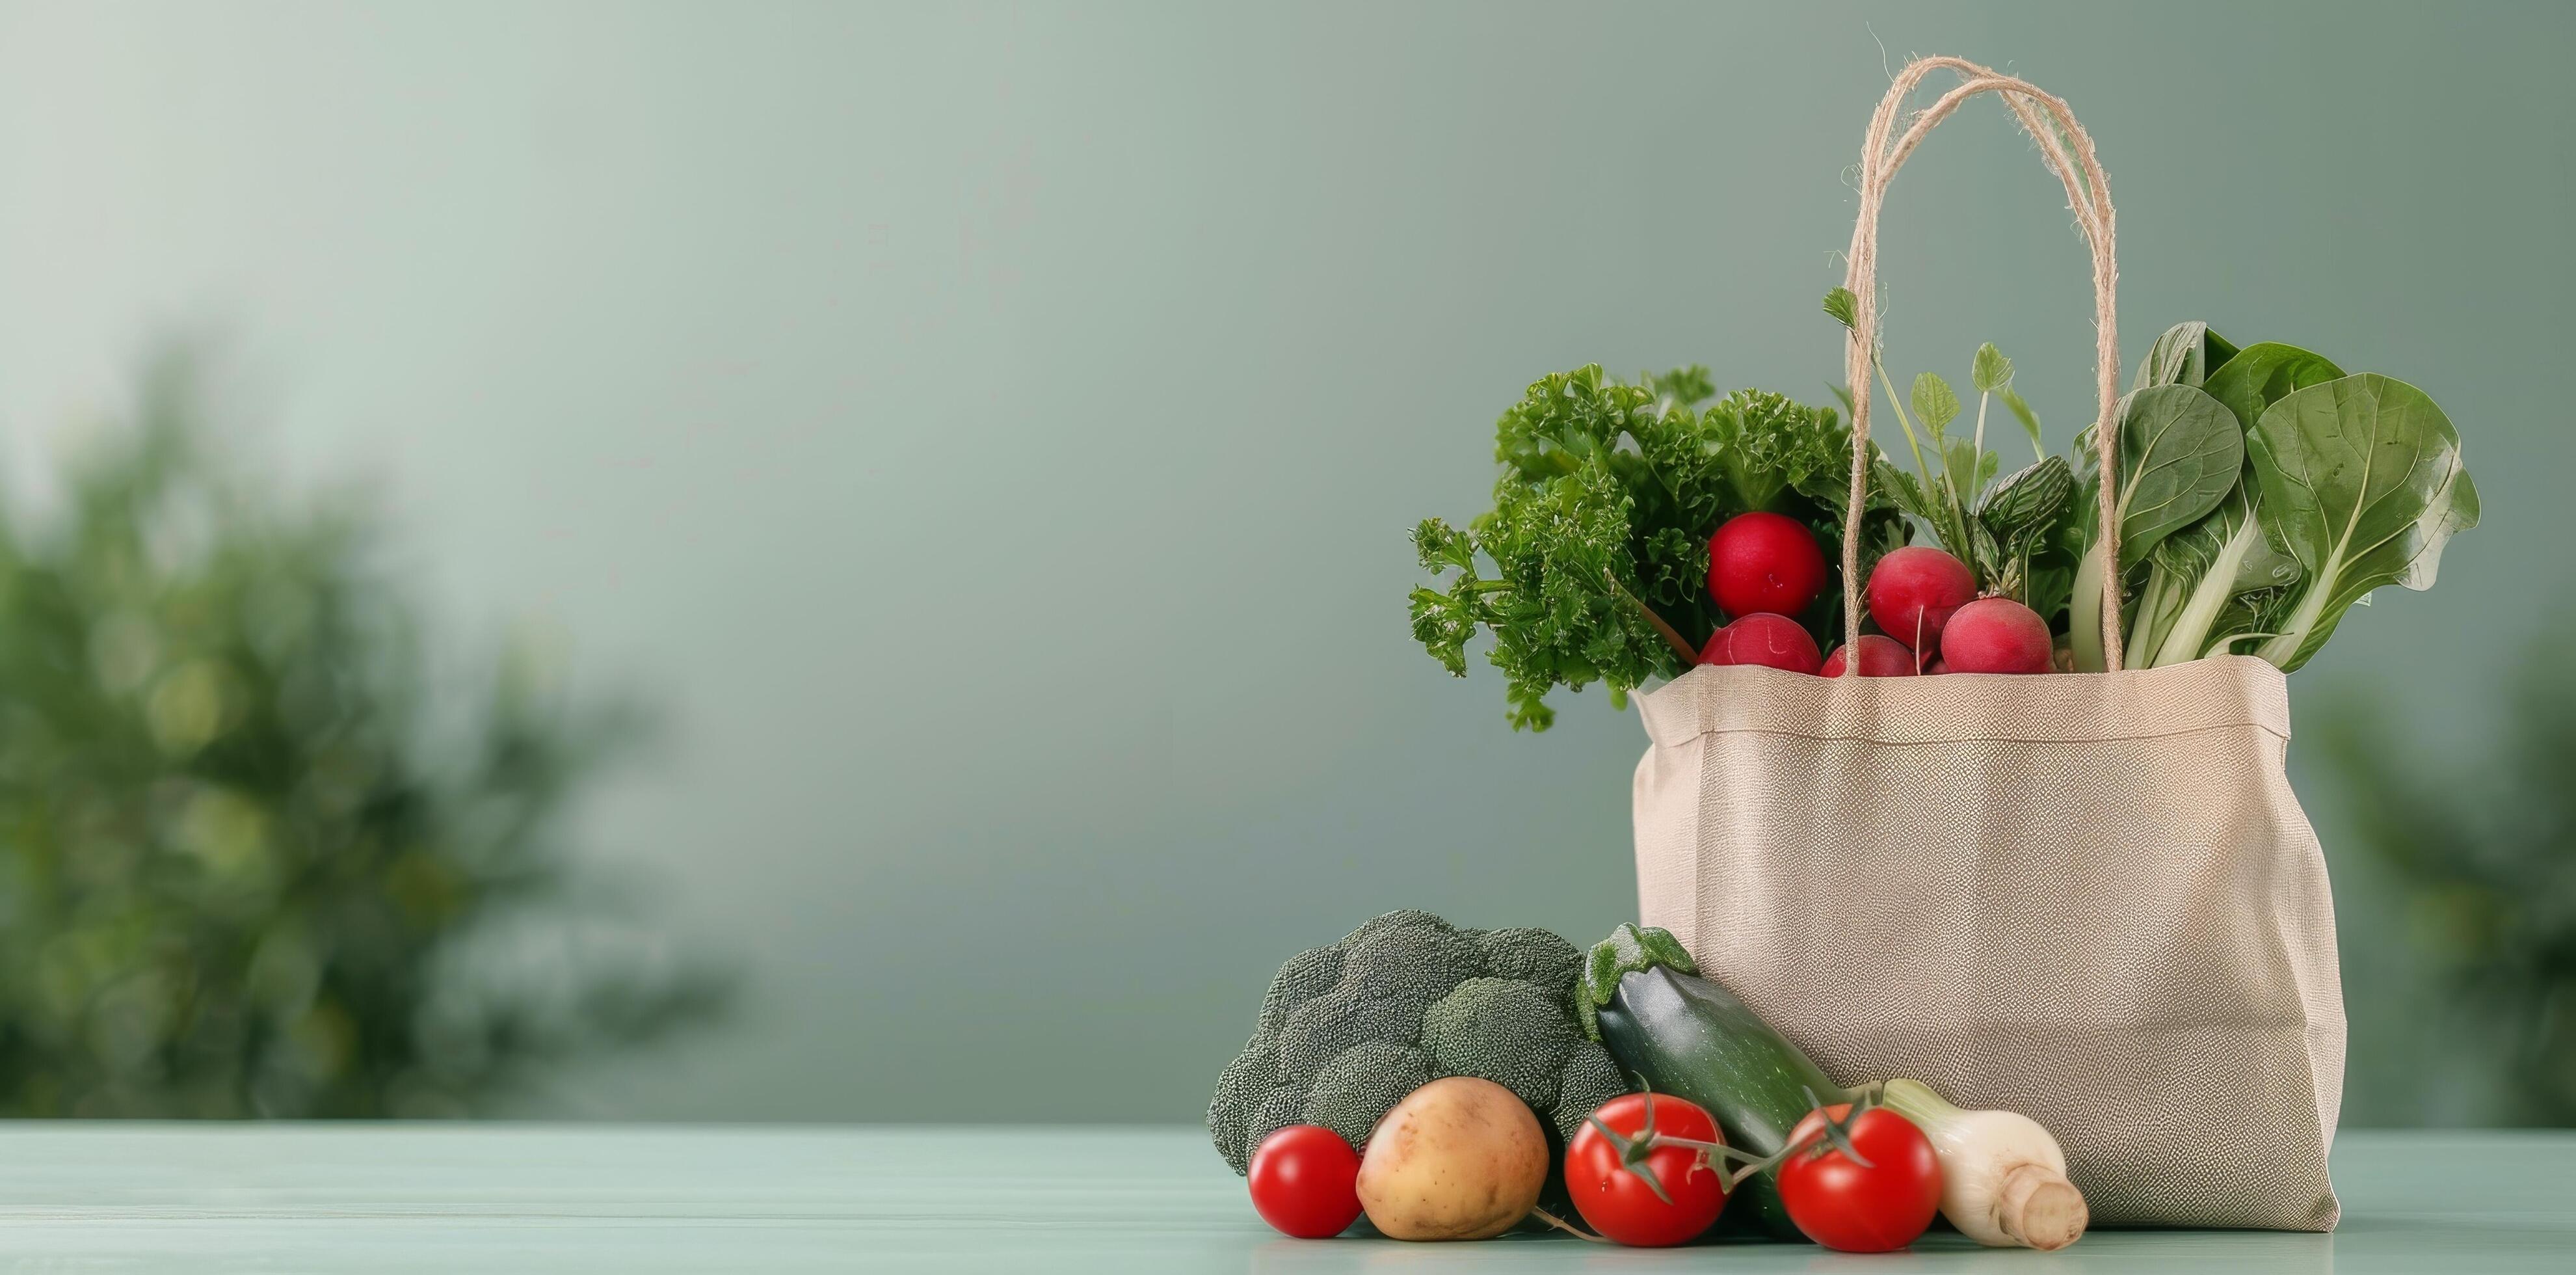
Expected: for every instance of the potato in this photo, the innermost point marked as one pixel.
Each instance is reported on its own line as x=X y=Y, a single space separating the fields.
x=1458 y=1159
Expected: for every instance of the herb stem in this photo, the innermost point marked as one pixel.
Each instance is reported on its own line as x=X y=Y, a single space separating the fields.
x=1983 y=397
x=1672 y=636
x=1897 y=406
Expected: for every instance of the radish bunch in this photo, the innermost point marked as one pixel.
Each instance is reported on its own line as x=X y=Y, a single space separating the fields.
x=1764 y=569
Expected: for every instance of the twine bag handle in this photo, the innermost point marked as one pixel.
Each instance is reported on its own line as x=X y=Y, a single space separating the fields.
x=2068 y=151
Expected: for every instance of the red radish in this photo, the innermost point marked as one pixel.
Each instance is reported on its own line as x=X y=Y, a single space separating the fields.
x=1935 y=669
x=1764 y=562
x=1879 y=657
x=1914 y=590
x=1774 y=641
x=1995 y=635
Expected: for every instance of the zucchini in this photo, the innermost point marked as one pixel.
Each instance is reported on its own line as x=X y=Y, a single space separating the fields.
x=1642 y=996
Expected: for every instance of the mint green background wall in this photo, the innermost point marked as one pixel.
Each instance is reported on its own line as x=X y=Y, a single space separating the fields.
x=990 y=432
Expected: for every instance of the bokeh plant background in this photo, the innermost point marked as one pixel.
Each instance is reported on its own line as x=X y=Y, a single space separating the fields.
x=782 y=560
x=255 y=858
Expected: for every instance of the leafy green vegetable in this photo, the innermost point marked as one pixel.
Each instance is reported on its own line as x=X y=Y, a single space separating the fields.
x=2261 y=494
x=2263 y=374
x=2180 y=452
x=1598 y=537
x=1770 y=450
x=1943 y=501
x=1992 y=374
x=2361 y=478
x=1966 y=467
x=1564 y=601
x=1901 y=488
x=2020 y=515
x=1840 y=303
x=1990 y=370
x=2347 y=483
x=2029 y=419
x=1935 y=402
x=2029 y=500
x=2184 y=355
x=2197 y=572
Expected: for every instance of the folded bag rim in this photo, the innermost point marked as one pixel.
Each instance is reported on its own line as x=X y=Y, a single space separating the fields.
x=2216 y=693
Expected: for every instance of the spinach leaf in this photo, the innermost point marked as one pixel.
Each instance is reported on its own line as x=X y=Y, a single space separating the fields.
x=2263 y=374
x=2185 y=355
x=2362 y=482
x=2180 y=454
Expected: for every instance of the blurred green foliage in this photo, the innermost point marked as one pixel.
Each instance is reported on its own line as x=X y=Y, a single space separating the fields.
x=2484 y=854
x=255 y=860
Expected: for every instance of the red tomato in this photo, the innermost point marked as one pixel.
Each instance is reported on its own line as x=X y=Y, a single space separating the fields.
x=1617 y=1201
x=1305 y=1182
x=1843 y=1205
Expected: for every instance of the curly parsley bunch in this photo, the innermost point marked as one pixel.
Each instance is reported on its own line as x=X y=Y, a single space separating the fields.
x=1597 y=543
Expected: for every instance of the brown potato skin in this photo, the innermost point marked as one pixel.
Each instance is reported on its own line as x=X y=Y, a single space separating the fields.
x=1458 y=1159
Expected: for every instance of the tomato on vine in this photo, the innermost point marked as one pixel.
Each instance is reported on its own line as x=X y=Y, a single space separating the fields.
x=1634 y=1183
x=1864 y=1184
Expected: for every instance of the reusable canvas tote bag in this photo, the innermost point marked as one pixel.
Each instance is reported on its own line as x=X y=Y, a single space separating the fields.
x=2091 y=898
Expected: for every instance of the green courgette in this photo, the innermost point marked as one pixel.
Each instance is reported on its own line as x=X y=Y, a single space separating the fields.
x=1678 y=1033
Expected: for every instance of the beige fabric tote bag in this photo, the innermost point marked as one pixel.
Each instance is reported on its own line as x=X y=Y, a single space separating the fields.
x=2091 y=898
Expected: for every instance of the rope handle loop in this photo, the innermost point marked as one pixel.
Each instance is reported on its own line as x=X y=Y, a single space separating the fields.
x=2068 y=151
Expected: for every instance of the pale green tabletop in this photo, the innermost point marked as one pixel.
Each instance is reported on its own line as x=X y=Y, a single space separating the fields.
x=563 y=1198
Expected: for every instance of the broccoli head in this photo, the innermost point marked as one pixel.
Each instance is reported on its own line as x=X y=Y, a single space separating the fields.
x=1347 y=1030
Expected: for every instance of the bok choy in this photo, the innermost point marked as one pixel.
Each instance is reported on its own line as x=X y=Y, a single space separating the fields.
x=2264 y=492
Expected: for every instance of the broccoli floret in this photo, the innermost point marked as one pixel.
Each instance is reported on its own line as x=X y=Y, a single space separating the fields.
x=1239 y=1091
x=1360 y=1083
x=1279 y=1108
x=1412 y=964
x=1345 y=1016
x=1307 y=975
x=1514 y=1034
x=1347 y=1030
x=1534 y=956
x=1589 y=1078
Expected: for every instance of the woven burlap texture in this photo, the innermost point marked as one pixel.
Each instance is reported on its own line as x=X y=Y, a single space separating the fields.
x=2089 y=898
